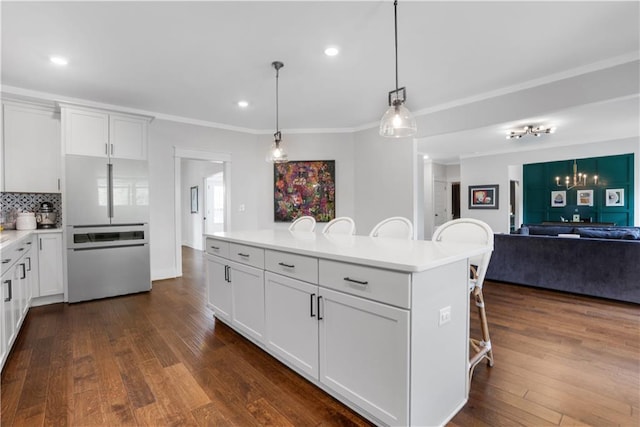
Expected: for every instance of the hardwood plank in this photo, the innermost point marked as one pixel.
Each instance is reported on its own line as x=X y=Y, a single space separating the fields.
x=266 y=414
x=87 y=409
x=186 y=386
x=59 y=402
x=209 y=415
x=134 y=381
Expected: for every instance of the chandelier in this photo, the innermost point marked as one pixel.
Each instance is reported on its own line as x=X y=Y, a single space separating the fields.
x=530 y=130
x=579 y=178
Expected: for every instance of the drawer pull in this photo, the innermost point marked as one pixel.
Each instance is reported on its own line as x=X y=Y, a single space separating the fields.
x=28 y=243
x=243 y=255
x=216 y=248
x=6 y=260
x=286 y=265
x=24 y=270
x=359 y=282
x=20 y=249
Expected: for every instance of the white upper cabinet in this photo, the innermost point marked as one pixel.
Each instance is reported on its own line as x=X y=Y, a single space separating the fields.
x=98 y=133
x=32 y=155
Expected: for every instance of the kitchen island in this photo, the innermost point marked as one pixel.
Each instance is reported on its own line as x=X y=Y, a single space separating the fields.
x=380 y=324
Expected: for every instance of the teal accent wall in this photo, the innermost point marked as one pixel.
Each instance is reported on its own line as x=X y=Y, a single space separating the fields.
x=613 y=172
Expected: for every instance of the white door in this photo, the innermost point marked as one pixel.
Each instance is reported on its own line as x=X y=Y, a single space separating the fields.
x=214 y=197
x=364 y=354
x=439 y=203
x=291 y=316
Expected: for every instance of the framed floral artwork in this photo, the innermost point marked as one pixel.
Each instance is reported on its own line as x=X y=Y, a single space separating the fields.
x=304 y=188
x=614 y=197
x=483 y=196
x=558 y=199
x=585 y=197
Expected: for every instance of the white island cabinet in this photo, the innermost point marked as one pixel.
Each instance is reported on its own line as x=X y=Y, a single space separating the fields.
x=357 y=316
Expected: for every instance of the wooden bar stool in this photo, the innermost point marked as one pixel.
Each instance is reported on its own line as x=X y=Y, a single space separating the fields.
x=468 y=230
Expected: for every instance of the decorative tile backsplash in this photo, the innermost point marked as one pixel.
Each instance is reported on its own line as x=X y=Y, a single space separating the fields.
x=13 y=203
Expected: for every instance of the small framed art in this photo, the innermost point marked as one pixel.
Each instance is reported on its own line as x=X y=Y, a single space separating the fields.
x=585 y=197
x=194 y=199
x=558 y=199
x=614 y=197
x=483 y=196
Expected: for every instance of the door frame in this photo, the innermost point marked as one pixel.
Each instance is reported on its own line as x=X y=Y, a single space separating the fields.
x=192 y=154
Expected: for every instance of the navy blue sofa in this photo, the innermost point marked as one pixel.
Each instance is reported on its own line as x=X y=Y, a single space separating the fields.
x=602 y=262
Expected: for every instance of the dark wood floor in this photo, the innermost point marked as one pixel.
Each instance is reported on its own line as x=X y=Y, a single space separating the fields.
x=160 y=359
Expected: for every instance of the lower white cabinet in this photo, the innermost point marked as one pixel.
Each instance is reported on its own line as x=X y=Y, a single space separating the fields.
x=50 y=264
x=364 y=354
x=291 y=314
x=236 y=294
x=17 y=276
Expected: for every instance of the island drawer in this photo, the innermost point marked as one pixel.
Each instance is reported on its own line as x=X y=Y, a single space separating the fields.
x=248 y=255
x=390 y=287
x=291 y=265
x=217 y=247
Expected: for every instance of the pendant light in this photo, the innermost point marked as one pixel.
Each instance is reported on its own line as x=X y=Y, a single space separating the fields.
x=276 y=153
x=397 y=121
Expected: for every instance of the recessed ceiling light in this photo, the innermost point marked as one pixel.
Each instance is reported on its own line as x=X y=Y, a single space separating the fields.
x=58 y=60
x=331 y=51
x=426 y=156
x=243 y=104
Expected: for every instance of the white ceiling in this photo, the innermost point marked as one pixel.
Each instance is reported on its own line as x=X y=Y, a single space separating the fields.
x=197 y=59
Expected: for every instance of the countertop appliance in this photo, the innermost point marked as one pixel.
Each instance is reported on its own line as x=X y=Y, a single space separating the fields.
x=46 y=217
x=107 y=207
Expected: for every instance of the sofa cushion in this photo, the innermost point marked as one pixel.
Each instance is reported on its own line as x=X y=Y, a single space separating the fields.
x=609 y=233
x=549 y=230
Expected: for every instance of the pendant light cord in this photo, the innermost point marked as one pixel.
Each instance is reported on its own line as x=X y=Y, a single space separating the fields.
x=277 y=112
x=395 y=23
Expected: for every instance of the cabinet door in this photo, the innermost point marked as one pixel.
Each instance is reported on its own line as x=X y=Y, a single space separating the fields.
x=85 y=132
x=128 y=137
x=291 y=316
x=364 y=354
x=219 y=288
x=32 y=156
x=8 y=324
x=50 y=264
x=247 y=284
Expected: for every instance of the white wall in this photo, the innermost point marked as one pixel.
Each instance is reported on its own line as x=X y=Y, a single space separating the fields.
x=384 y=179
x=494 y=169
x=326 y=146
x=251 y=180
x=163 y=137
x=193 y=173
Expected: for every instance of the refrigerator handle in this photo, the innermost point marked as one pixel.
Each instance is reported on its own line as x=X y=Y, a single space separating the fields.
x=110 y=190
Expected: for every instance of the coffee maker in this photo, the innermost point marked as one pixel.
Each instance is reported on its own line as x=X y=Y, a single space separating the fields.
x=46 y=218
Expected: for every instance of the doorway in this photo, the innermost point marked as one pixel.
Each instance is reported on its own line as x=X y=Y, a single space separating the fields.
x=455 y=200
x=179 y=208
x=439 y=203
x=214 y=211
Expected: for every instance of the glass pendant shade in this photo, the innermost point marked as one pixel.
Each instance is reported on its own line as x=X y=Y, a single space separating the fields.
x=398 y=122
x=277 y=154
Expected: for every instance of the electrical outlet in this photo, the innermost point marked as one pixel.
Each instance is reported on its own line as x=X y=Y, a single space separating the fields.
x=445 y=315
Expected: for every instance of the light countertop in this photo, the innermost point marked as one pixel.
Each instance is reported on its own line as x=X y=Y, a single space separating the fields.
x=394 y=254
x=9 y=237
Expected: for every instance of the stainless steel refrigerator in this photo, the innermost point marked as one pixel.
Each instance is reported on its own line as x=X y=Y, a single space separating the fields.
x=107 y=210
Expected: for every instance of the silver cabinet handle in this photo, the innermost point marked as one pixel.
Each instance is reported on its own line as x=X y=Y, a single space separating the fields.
x=320 y=316
x=243 y=255
x=20 y=249
x=106 y=149
x=286 y=265
x=359 y=282
x=215 y=248
x=24 y=270
x=29 y=259
x=112 y=149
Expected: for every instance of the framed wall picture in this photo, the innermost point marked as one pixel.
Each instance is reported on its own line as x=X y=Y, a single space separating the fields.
x=194 y=199
x=304 y=188
x=558 y=199
x=483 y=196
x=614 y=197
x=585 y=197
